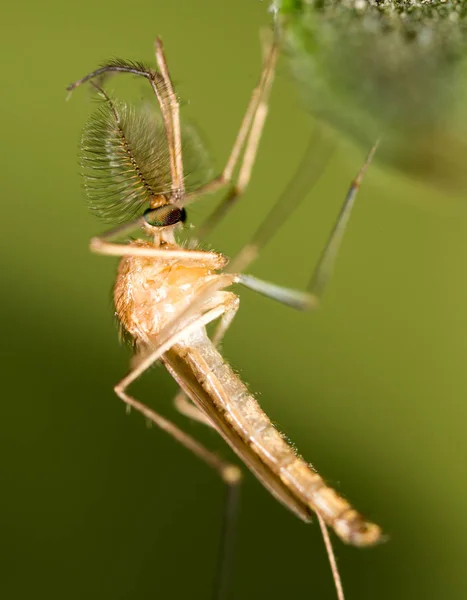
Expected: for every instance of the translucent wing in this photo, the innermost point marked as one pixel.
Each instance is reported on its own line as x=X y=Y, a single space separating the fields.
x=125 y=159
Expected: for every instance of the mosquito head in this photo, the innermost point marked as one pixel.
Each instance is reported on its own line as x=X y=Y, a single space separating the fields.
x=165 y=216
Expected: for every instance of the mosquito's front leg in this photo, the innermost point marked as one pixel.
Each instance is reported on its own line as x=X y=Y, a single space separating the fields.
x=103 y=245
x=212 y=260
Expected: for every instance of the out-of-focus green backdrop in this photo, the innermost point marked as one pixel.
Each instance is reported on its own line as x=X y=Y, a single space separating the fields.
x=372 y=388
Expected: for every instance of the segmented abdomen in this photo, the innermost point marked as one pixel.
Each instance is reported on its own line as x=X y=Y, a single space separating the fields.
x=218 y=392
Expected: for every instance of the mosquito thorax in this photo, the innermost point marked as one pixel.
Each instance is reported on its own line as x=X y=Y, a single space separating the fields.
x=164 y=216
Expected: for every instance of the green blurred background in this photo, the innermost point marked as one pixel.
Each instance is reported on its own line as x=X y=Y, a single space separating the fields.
x=371 y=388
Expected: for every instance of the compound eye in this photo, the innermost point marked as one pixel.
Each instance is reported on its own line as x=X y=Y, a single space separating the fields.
x=163 y=216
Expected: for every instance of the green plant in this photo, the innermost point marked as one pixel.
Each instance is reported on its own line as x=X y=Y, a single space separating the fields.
x=385 y=67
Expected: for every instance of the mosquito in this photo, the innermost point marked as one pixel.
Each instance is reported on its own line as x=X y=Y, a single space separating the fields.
x=142 y=161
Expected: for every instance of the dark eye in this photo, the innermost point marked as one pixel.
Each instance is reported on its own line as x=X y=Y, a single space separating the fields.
x=164 y=215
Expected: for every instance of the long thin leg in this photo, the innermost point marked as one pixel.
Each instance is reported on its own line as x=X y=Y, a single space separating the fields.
x=290 y=297
x=250 y=133
x=327 y=260
x=230 y=474
x=324 y=268
x=227 y=538
x=307 y=173
x=100 y=245
x=212 y=259
x=225 y=470
x=331 y=557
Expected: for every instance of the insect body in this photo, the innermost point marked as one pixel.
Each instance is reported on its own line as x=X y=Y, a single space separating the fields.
x=148 y=293
x=166 y=294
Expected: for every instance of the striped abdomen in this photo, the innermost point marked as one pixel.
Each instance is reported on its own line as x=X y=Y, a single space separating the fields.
x=214 y=387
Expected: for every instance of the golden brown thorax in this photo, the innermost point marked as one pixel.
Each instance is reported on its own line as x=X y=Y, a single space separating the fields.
x=149 y=291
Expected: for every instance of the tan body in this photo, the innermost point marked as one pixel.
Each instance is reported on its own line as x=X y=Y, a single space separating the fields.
x=149 y=292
